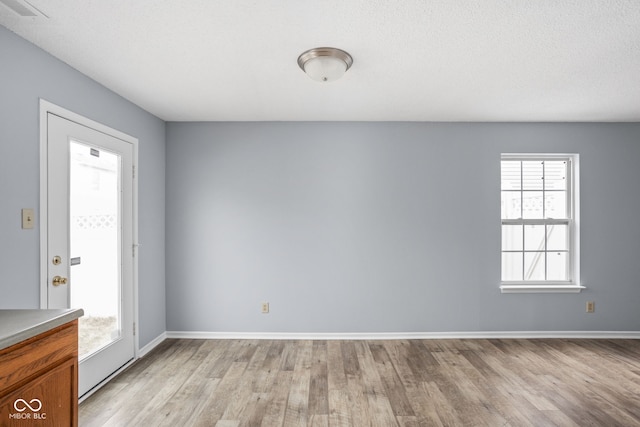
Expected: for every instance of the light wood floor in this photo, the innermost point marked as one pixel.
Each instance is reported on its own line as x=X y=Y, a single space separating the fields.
x=375 y=383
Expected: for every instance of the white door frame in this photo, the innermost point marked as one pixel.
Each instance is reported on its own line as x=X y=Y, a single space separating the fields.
x=48 y=107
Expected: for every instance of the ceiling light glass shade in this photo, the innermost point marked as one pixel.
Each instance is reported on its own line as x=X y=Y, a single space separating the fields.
x=325 y=64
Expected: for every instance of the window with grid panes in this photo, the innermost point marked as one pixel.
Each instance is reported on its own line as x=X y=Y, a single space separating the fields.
x=537 y=209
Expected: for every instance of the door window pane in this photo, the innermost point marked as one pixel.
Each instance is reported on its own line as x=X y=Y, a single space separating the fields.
x=95 y=245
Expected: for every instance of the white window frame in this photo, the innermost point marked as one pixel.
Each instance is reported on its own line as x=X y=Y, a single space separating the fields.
x=573 y=284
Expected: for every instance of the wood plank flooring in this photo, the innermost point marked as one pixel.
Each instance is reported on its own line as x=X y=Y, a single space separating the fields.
x=404 y=383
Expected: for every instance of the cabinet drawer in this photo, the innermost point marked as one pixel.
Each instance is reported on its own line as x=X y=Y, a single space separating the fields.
x=27 y=359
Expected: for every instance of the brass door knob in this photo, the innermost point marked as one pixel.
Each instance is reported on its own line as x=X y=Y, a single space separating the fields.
x=57 y=281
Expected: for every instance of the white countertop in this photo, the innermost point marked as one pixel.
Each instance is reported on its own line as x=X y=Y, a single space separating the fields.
x=19 y=325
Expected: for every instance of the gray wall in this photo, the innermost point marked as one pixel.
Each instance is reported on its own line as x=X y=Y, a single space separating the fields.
x=342 y=227
x=27 y=74
x=384 y=227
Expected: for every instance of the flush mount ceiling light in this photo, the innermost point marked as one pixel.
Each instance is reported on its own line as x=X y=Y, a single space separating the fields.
x=325 y=64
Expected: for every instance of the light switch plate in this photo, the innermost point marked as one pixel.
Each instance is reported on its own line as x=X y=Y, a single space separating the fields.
x=28 y=218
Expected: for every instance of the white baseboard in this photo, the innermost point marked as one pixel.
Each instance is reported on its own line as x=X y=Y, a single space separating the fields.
x=153 y=344
x=403 y=335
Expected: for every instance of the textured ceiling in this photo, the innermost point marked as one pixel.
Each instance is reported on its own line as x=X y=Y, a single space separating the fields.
x=414 y=60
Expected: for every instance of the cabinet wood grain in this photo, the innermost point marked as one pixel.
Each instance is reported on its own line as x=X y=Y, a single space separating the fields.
x=39 y=379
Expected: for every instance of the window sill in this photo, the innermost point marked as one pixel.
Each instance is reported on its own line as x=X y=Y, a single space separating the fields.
x=540 y=289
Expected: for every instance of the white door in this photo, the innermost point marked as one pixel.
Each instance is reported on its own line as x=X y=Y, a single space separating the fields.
x=90 y=242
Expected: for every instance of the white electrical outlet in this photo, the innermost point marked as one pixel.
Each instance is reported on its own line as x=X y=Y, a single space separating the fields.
x=265 y=307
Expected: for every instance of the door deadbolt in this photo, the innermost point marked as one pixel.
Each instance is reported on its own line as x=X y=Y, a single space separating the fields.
x=57 y=281
x=56 y=260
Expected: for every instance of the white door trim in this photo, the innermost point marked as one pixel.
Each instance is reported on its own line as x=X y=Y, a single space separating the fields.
x=48 y=107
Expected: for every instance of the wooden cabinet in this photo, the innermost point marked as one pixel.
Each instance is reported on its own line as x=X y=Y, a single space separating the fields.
x=39 y=379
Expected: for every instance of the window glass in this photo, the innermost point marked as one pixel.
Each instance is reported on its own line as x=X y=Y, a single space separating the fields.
x=536 y=208
x=534 y=266
x=557 y=235
x=532 y=202
x=557 y=266
x=512 y=238
x=512 y=266
x=532 y=175
x=511 y=175
x=534 y=237
x=511 y=204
